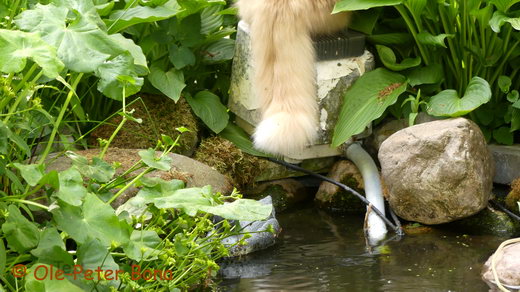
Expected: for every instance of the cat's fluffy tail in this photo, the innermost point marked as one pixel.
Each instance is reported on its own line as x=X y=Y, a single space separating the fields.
x=283 y=55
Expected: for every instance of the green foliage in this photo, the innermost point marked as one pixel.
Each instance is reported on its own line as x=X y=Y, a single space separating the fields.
x=466 y=48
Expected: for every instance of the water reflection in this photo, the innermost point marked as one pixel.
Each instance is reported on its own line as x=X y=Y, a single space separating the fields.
x=319 y=252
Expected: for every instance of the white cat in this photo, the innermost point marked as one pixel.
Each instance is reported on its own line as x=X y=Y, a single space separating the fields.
x=283 y=58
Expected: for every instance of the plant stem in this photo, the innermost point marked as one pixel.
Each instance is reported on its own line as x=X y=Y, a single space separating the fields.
x=28 y=203
x=411 y=27
x=129 y=185
x=72 y=91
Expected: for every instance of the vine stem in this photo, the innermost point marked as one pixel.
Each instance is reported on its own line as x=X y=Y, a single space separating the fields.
x=72 y=92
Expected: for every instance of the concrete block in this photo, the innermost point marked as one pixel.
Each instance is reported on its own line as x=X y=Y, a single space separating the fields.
x=507 y=163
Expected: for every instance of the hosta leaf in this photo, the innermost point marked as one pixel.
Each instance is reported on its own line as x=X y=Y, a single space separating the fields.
x=242 y=209
x=499 y=19
x=431 y=74
x=427 y=38
x=94 y=219
x=352 y=5
x=219 y=51
x=18 y=46
x=366 y=101
x=21 y=234
x=210 y=19
x=504 y=5
x=116 y=74
x=80 y=43
x=170 y=83
x=121 y=19
x=210 y=110
x=389 y=59
x=149 y=158
x=447 y=103
x=181 y=56
x=241 y=139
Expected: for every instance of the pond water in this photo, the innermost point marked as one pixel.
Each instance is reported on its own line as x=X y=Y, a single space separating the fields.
x=320 y=252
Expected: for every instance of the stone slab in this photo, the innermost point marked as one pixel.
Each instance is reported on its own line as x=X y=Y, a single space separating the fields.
x=507 y=163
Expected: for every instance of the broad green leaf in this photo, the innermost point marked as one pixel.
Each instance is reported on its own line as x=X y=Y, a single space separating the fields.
x=504 y=5
x=366 y=101
x=149 y=158
x=144 y=245
x=98 y=170
x=136 y=51
x=241 y=139
x=352 y=5
x=21 y=234
x=515 y=119
x=93 y=255
x=504 y=83
x=389 y=59
x=51 y=249
x=31 y=173
x=431 y=74
x=447 y=103
x=38 y=280
x=388 y=39
x=427 y=38
x=121 y=19
x=210 y=19
x=499 y=19
x=170 y=83
x=210 y=110
x=71 y=188
x=181 y=56
x=193 y=6
x=16 y=47
x=365 y=21
x=241 y=209
x=116 y=74
x=514 y=97
x=94 y=219
x=219 y=51
x=80 y=43
x=503 y=135
x=416 y=7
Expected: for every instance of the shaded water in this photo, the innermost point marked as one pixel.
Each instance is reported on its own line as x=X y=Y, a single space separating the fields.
x=318 y=252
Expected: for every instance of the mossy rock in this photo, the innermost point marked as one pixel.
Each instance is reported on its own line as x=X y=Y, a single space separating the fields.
x=285 y=193
x=160 y=115
x=513 y=197
x=488 y=221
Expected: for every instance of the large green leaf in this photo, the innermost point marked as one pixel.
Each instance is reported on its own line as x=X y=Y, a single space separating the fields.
x=21 y=234
x=162 y=162
x=352 y=5
x=210 y=110
x=98 y=170
x=366 y=101
x=136 y=51
x=31 y=173
x=51 y=249
x=71 y=188
x=121 y=19
x=81 y=44
x=170 y=83
x=18 y=46
x=500 y=18
x=94 y=219
x=241 y=139
x=389 y=59
x=38 y=280
x=219 y=51
x=94 y=255
x=427 y=38
x=447 y=103
x=431 y=74
x=144 y=245
x=504 y=5
x=242 y=209
x=116 y=74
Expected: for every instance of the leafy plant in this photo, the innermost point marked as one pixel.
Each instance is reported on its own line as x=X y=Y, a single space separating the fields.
x=458 y=53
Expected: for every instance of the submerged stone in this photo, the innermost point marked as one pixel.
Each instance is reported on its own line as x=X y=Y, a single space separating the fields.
x=488 y=221
x=506 y=266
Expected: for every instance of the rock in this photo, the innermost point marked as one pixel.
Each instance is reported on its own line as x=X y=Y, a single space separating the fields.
x=160 y=115
x=285 y=193
x=437 y=172
x=488 y=221
x=192 y=172
x=513 y=198
x=507 y=163
x=334 y=198
x=507 y=267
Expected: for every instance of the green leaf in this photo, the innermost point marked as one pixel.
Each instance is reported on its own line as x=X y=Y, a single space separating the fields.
x=94 y=255
x=51 y=249
x=427 y=38
x=352 y=5
x=21 y=234
x=16 y=47
x=504 y=83
x=3 y=258
x=503 y=135
x=210 y=19
x=241 y=209
x=514 y=98
x=31 y=173
x=170 y=83
x=81 y=44
x=136 y=51
x=219 y=51
x=448 y=104
x=499 y=19
x=98 y=170
x=144 y=245
x=116 y=74
x=161 y=163
x=389 y=39
x=241 y=139
x=71 y=189
x=431 y=74
x=94 y=219
x=39 y=271
x=121 y=19
x=210 y=110
x=181 y=56
x=504 y=5
x=366 y=101
x=389 y=59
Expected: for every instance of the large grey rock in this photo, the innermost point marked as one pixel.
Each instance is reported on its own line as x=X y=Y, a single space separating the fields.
x=507 y=267
x=437 y=172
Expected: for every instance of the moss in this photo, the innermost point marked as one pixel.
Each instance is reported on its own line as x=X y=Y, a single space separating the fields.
x=513 y=197
x=226 y=158
x=160 y=115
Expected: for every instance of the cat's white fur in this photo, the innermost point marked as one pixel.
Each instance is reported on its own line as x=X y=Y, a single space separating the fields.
x=283 y=58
